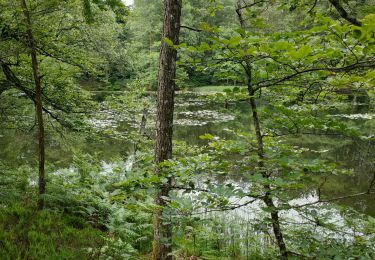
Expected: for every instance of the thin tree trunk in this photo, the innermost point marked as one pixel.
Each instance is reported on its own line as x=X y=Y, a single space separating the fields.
x=142 y=127
x=38 y=103
x=344 y=14
x=149 y=56
x=162 y=244
x=267 y=199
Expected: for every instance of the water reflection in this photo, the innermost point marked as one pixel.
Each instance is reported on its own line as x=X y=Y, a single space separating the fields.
x=195 y=117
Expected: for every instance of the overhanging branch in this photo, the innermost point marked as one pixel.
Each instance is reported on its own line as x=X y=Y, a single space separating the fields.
x=191 y=28
x=344 y=14
x=271 y=82
x=12 y=79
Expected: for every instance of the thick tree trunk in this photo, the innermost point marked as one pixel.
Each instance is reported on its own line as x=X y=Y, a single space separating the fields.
x=267 y=199
x=162 y=244
x=38 y=103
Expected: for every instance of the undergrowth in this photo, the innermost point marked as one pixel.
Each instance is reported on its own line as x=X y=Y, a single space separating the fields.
x=30 y=234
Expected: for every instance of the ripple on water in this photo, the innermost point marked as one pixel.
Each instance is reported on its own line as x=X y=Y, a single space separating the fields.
x=202 y=117
x=357 y=116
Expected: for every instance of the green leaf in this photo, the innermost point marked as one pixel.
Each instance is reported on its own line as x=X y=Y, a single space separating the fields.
x=168 y=42
x=206 y=137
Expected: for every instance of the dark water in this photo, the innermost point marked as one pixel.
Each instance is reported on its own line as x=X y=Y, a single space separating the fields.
x=194 y=118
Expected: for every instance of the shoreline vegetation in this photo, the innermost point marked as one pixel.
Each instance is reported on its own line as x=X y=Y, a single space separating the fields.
x=185 y=129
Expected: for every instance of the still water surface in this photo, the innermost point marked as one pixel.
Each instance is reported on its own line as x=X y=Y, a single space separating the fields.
x=195 y=117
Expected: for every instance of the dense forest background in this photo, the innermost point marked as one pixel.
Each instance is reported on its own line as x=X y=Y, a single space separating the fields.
x=195 y=129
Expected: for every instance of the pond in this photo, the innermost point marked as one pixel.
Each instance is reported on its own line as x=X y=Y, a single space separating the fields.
x=195 y=117
x=348 y=153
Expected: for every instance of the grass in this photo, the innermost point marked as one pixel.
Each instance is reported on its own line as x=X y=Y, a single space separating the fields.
x=30 y=234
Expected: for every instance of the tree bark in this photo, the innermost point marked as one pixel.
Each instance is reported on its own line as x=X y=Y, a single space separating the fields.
x=162 y=244
x=38 y=103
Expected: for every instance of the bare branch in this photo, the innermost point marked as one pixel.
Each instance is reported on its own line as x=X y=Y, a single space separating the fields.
x=12 y=78
x=191 y=28
x=313 y=7
x=333 y=199
x=274 y=81
x=344 y=14
x=229 y=208
x=239 y=8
